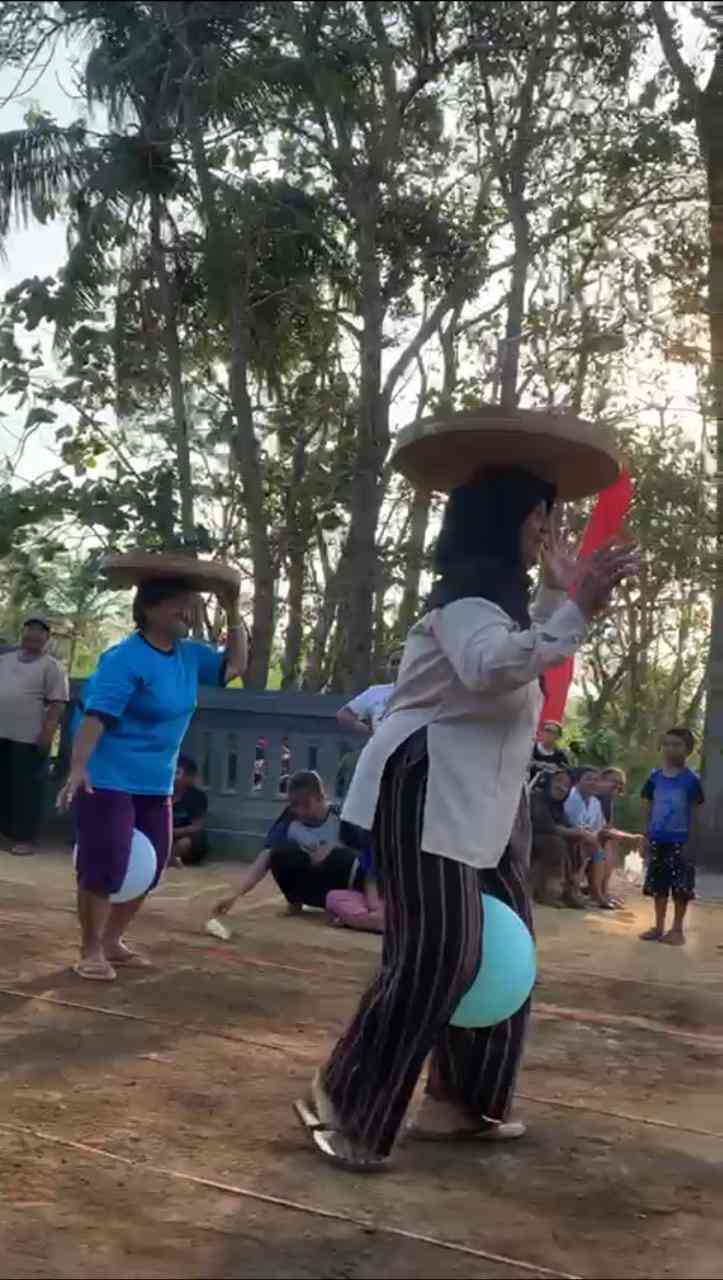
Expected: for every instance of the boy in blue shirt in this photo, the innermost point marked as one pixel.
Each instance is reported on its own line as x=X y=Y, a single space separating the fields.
x=671 y=794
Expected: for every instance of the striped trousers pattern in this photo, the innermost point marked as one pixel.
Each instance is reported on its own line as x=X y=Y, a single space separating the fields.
x=433 y=937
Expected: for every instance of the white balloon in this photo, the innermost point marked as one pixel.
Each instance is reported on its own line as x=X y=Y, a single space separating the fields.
x=142 y=866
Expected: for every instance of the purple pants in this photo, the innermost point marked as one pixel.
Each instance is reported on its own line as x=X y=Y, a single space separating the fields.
x=105 y=821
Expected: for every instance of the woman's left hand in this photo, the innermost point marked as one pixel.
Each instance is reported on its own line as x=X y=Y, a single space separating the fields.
x=229 y=600
x=560 y=565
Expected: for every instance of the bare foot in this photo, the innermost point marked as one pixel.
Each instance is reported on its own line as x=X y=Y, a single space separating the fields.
x=674 y=938
x=652 y=935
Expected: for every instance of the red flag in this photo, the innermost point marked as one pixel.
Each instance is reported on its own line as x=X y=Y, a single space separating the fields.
x=606 y=521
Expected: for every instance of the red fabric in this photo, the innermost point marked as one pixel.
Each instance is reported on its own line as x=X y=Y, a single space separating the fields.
x=606 y=521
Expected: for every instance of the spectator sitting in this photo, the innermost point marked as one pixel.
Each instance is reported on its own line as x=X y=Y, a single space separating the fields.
x=190 y=806
x=33 y=696
x=359 y=909
x=305 y=851
x=555 y=843
x=584 y=811
x=611 y=787
x=547 y=754
x=363 y=713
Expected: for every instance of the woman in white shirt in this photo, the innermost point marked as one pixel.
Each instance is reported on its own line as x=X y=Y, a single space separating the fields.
x=441 y=783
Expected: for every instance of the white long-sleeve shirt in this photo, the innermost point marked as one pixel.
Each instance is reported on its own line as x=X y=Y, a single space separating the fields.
x=470 y=676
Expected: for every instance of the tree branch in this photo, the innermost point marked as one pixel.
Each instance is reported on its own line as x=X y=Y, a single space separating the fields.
x=668 y=37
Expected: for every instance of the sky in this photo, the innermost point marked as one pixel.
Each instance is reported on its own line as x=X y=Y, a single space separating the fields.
x=40 y=250
x=34 y=250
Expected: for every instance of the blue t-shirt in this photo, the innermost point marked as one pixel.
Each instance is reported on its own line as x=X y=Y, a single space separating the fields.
x=146 y=698
x=672 y=799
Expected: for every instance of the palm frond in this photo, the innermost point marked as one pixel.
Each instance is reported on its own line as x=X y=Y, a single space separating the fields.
x=38 y=166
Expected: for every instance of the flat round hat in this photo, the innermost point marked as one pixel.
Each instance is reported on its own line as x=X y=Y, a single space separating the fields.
x=440 y=453
x=135 y=567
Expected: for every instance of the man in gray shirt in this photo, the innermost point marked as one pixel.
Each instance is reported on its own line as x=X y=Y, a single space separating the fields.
x=33 y=696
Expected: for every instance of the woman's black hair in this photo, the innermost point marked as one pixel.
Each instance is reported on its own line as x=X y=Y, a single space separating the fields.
x=154 y=592
x=478 y=552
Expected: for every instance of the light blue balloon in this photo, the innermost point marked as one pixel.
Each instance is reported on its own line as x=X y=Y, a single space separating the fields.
x=141 y=872
x=506 y=975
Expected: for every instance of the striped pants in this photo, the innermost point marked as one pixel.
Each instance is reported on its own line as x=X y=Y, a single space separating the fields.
x=432 y=947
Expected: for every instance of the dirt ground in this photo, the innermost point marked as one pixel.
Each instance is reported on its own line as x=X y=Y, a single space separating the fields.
x=146 y=1131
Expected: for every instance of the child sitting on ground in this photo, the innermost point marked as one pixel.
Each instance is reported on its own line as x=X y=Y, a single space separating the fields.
x=363 y=908
x=671 y=794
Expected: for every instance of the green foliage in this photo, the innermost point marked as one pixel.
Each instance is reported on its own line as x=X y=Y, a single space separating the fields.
x=286 y=223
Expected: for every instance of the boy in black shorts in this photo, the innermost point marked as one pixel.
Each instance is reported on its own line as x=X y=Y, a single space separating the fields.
x=671 y=794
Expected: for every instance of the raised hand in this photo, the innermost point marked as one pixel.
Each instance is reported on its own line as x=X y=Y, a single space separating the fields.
x=602 y=572
x=560 y=566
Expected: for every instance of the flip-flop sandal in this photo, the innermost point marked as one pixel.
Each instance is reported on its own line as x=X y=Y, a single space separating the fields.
x=333 y=1146
x=505 y=1131
x=93 y=971
x=673 y=939
x=133 y=960
x=651 y=935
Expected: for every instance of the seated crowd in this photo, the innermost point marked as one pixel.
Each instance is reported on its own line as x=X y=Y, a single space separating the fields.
x=317 y=860
x=576 y=845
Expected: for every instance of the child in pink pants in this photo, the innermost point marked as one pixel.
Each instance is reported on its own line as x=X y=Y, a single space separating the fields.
x=359 y=909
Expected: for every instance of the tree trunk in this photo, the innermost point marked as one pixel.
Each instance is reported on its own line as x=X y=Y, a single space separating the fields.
x=710 y=125
x=509 y=373
x=295 y=565
x=316 y=665
x=357 y=568
x=224 y=268
x=414 y=561
x=172 y=348
x=246 y=448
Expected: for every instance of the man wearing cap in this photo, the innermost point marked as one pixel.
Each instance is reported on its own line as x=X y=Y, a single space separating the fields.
x=33 y=696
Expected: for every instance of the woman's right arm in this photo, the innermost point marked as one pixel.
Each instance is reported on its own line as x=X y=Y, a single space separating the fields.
x=86 y=740
x=489 y=654
x=252 y=876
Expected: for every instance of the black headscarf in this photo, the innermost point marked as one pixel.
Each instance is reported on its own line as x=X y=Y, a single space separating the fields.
x=478 y=551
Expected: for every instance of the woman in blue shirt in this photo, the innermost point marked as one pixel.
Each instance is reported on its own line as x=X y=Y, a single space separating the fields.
x=136 y=709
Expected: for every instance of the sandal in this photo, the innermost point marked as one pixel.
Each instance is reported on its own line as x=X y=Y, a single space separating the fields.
x=489 y=1131
x=131 y=960
x=334 y=1147
x=95 y=970
x=651 y=935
